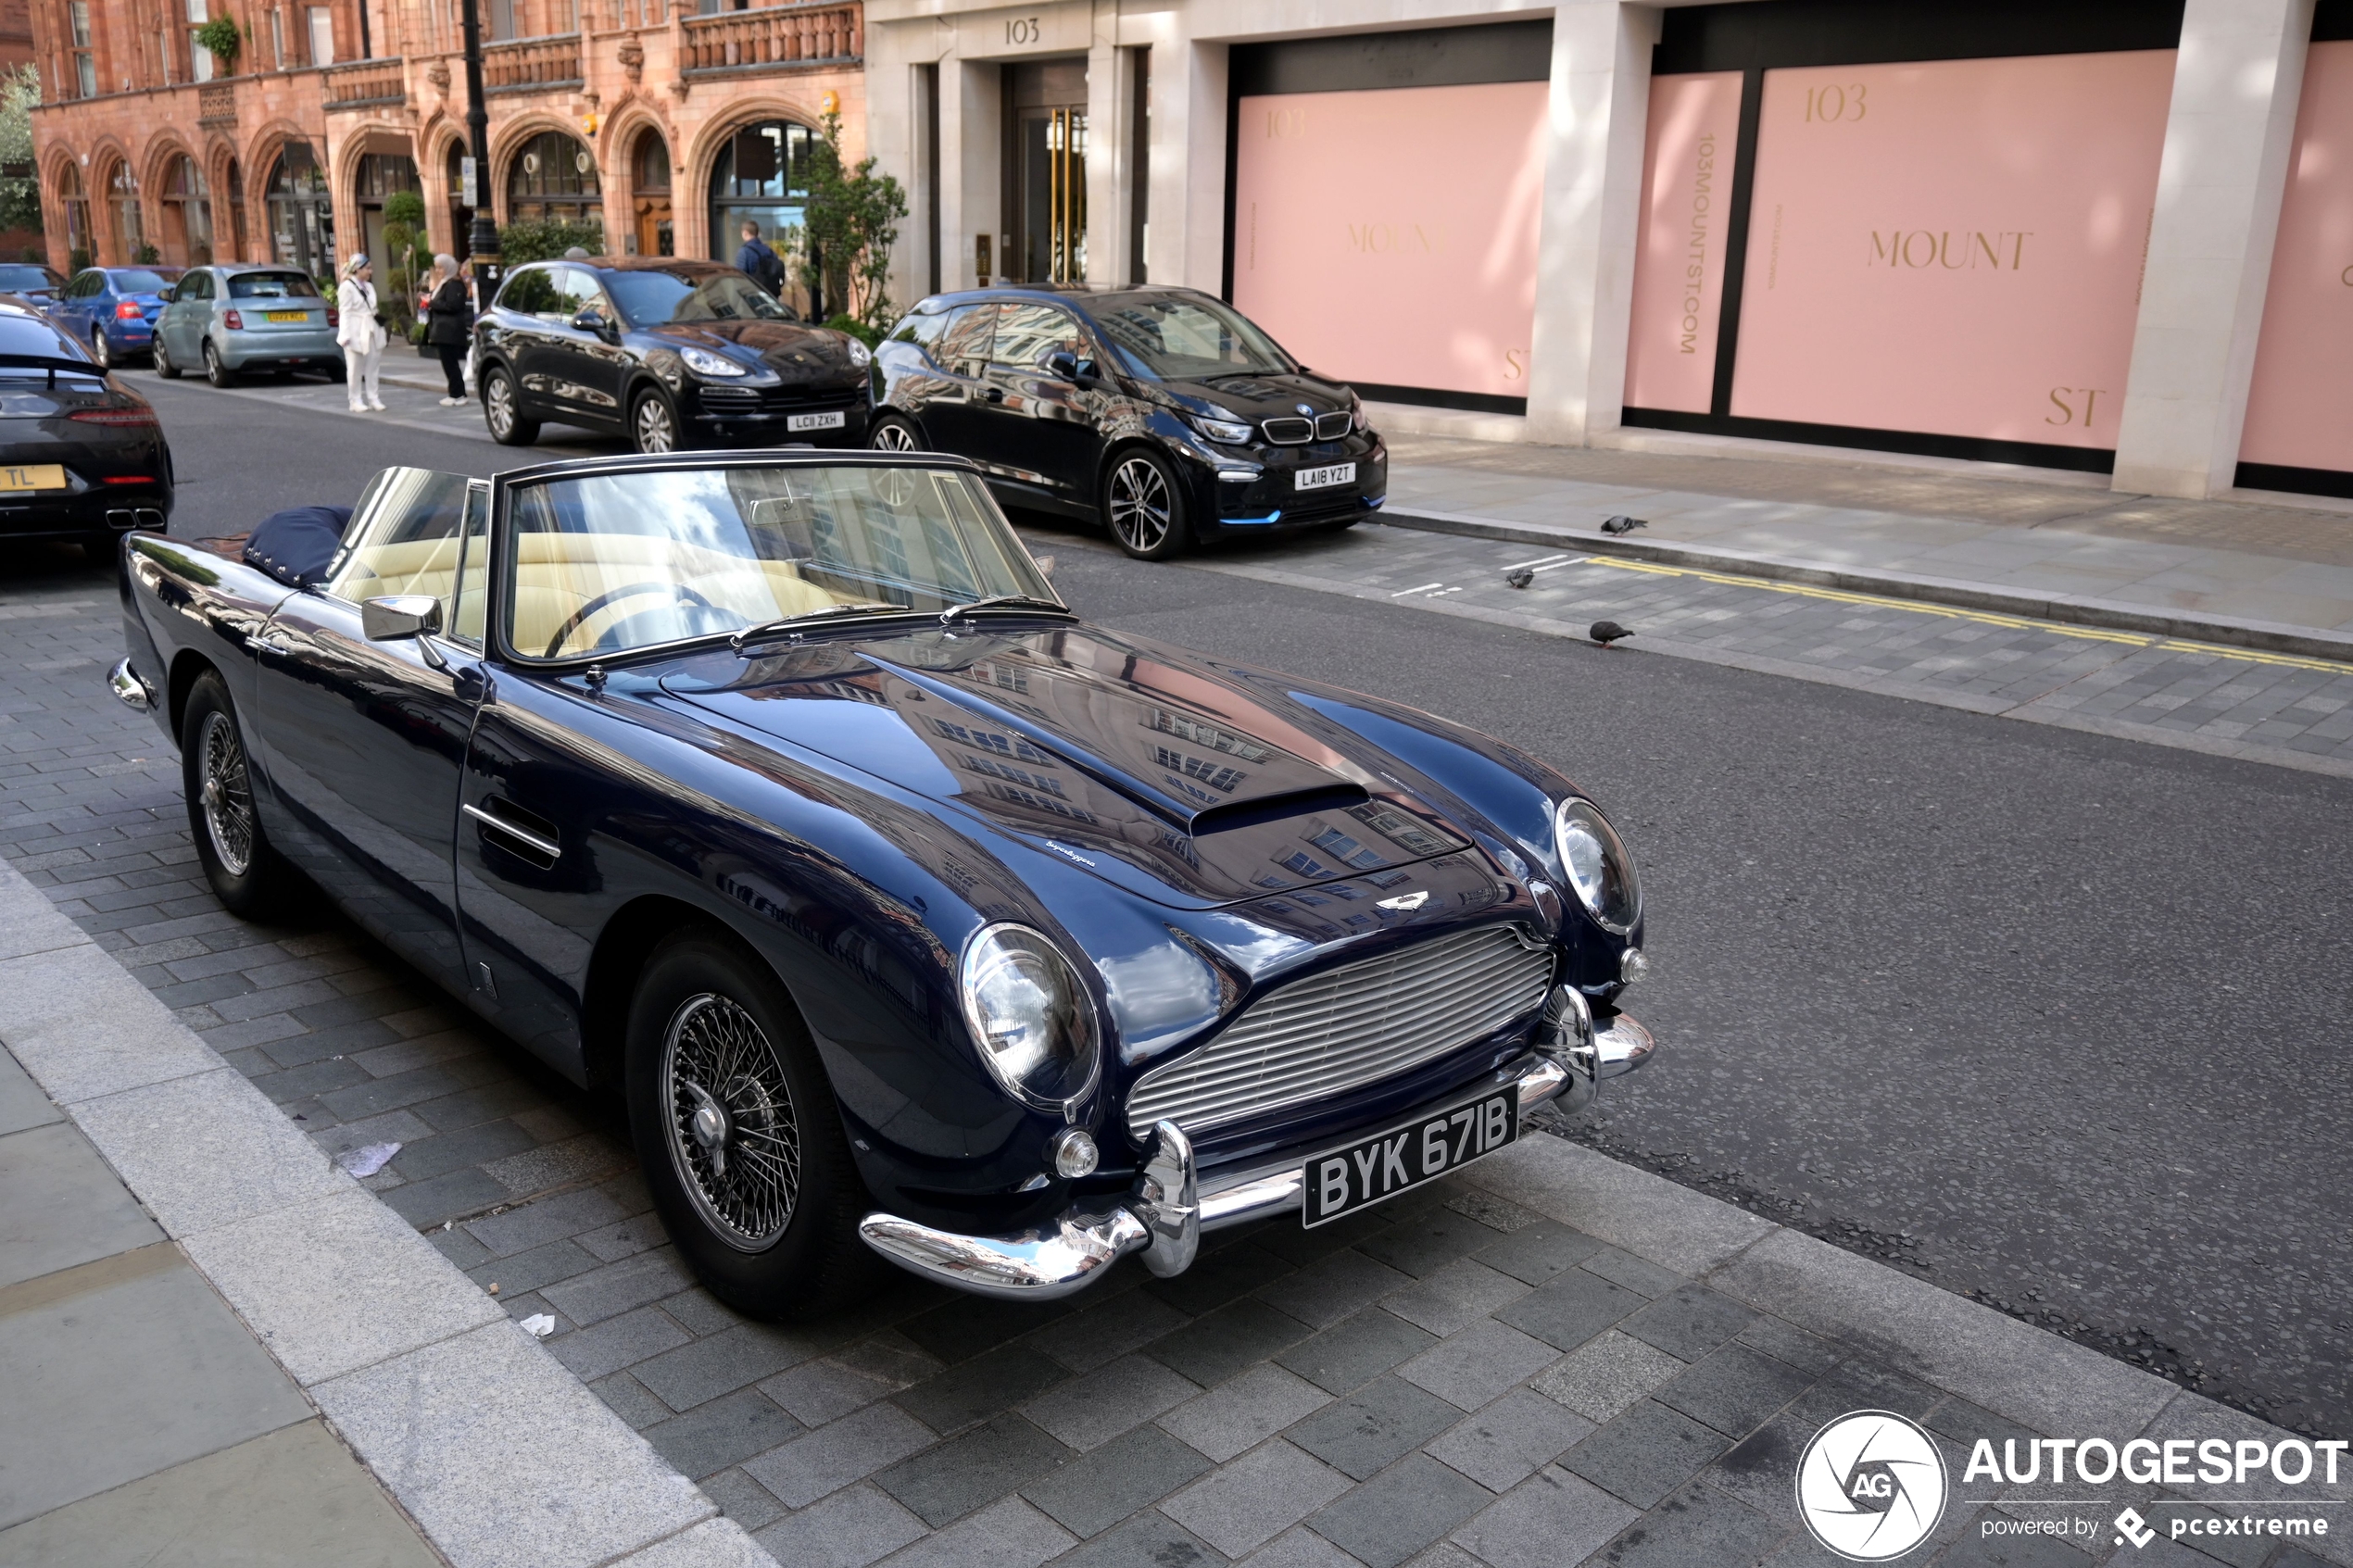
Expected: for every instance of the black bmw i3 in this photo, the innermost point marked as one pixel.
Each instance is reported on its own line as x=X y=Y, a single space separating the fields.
x=1163 y=413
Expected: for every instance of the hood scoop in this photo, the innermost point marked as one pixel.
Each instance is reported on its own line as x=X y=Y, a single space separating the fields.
x=1150 y=773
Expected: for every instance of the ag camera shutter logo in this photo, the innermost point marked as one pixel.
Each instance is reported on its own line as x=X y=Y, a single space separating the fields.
x=1871 y=1485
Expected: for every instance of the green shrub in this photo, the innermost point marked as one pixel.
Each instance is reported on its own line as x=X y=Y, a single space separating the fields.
x=221 y=40
x=546 y=238
x=844 y=322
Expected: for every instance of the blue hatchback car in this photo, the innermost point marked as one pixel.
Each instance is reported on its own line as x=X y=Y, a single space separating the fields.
x=113 y=309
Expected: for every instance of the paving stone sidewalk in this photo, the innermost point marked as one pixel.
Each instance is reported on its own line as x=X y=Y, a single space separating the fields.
x=2244 y=560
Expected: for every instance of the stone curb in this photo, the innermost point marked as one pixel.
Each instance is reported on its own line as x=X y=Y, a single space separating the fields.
x=2268 y=637
x=499 y=1454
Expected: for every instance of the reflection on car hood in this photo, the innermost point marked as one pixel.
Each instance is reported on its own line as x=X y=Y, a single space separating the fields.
x=1137 y=761
x=789 y=348
x=1255 y=397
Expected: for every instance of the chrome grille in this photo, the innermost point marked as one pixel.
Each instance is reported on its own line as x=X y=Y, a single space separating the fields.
x=1289 y=431
x=1331 y=427
x=1348 y=1027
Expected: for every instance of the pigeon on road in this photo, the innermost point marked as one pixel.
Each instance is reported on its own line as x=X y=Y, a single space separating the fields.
x=1623 y=525
x=1519 y=577
x=1607 y=632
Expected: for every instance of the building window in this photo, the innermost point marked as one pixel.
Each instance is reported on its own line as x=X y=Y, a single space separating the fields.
x=278 y=38
x=761 y=178
x=322 y=35
x=187 y=214
x=199 y=57
x=553 y=177
x=461 y=217
x=85 y=66
x=302 y=220
x=377 y=177
x=236 y=211
x=650 y=195
x=122 y=198
x=76 y=203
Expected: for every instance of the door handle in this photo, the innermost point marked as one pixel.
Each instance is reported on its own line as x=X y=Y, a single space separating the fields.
x=265 y=643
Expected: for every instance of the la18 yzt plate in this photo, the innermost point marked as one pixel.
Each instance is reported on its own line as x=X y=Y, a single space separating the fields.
x=1344 y=1180
x=1323 y=478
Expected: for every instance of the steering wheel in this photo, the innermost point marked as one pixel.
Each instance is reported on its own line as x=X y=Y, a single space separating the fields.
x=678 y=591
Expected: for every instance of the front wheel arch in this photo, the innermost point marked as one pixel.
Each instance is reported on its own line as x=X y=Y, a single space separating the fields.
x=622 y=949
x=186 y=671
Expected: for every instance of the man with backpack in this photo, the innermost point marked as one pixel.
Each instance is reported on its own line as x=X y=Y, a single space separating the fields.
x=755 y=257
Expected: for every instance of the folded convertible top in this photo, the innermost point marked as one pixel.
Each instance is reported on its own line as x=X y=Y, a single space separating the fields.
x=298 y=546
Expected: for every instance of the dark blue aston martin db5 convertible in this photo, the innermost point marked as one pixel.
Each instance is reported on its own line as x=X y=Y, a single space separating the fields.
x=912 y=917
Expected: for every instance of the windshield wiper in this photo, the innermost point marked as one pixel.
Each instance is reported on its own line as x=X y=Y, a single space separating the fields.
x=767 y=628
x=1002 y=601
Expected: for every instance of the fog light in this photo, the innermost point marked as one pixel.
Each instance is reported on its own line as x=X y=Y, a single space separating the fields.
x=1074 y=1153
x=1635 y=965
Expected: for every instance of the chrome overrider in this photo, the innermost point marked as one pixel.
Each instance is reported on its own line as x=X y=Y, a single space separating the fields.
x=1167 y=1208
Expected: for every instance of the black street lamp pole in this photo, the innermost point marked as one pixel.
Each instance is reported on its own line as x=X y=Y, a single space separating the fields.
x=483 y=242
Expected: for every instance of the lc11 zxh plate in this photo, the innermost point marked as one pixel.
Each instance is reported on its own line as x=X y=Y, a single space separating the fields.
x=834 y=421
x=1374 y=1170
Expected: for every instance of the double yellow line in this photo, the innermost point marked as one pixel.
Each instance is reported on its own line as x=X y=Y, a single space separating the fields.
x=1984 y=618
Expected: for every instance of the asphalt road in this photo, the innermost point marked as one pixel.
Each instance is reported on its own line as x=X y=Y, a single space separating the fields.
x=2045 y=1016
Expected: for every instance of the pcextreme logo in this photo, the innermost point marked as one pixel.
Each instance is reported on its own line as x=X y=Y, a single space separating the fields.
x=1871 y=1485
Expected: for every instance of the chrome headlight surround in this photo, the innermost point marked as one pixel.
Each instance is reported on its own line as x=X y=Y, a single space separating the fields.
x=859 y=354
x=1032 y=1022
x=1595 y=863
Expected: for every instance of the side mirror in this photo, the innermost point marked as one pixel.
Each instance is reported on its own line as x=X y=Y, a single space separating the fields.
x=396 y=618
x=592 y=320
x=169 y=292
x=1063 y=364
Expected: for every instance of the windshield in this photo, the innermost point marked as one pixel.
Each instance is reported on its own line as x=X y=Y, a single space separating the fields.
x=1182 y=338
x=656 y=299
x=603 y=564
x=13 y=279
x=138 y=280
x=272 y=285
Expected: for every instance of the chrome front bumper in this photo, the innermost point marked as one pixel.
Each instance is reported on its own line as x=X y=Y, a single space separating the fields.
x=129 y=687
x=1166 y=1211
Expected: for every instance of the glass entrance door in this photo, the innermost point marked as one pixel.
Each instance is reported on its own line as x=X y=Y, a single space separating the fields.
x=1047 y=195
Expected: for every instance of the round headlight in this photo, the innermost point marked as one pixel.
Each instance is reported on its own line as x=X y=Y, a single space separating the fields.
x=859 y=354
x=1032 y=1020
x=1597 y=866
x=705 y=363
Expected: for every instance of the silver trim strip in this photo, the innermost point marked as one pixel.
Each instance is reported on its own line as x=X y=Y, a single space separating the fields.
x=553 y=851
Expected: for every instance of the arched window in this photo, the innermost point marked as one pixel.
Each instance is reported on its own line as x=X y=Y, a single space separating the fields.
x=122 y=203
x=76 y=202
x=551 y=176
x=377 y=177
x=237 y=228
x=649 y=194
x=187 y=213
x=761 y=178
x=302 y=218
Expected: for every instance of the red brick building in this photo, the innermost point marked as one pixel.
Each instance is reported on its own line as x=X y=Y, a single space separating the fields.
x=663 y=124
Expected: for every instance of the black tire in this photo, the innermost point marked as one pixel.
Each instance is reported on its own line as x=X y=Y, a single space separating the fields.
x=1142 y=506
x=164 y=367
x=773 y=1249
x=894 y=433
x=502 y=409
x=101 y=350
x=217 y=373
x=246 y=874
x=654 y=425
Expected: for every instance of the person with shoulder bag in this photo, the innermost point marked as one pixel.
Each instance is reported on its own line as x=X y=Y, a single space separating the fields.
x=360 y=328
x=449 y=326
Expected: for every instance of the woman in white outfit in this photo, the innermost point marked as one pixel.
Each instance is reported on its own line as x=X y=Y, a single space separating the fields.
x=361 y=334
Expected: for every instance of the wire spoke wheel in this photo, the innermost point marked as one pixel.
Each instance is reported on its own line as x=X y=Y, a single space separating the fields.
x=1139 y=505
x=227 y=795
x=657 y=433
x=735 y=1140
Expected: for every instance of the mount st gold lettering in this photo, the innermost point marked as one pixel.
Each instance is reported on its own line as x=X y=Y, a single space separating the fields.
x=1384 y=239
x=2068 y=411
x=1951 y=250
x=1695 y=248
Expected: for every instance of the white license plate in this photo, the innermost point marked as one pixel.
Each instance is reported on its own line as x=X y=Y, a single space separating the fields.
x=834 y=421
x=1324 y=478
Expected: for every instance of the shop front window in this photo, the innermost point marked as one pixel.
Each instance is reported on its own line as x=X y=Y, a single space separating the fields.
x=461 y=217
x=236 y=210
x=76 y=202
x=302 y=221
x=761 y=178
x=122 y=200
x=379 y=176
x=554 y=178
x=650 y=195
x=187 y=214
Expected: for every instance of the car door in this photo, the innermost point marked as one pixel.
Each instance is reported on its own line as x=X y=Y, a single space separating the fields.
x=584 y=371
x=955 y=416
x=71 y=310
x=1040 y=424
x=363 y=741
x=179 y=326
x=522 y=326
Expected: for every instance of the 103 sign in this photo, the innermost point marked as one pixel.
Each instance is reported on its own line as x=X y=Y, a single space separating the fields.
x=1344 y=1180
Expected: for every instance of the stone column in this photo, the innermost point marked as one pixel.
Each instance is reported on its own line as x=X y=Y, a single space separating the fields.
x=1599 y=111
x=972 y=105
x=2227 y=137
x=1187 y=244
x=1111 y=144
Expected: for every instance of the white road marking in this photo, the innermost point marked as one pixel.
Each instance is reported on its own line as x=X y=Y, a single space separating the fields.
x=1423 y=589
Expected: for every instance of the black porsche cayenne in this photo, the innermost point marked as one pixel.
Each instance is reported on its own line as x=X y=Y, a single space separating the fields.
x=81 y=456
x=672 y=354
x=1163 y=412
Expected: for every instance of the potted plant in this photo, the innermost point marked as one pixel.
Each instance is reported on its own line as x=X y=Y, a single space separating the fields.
x=220 y=39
